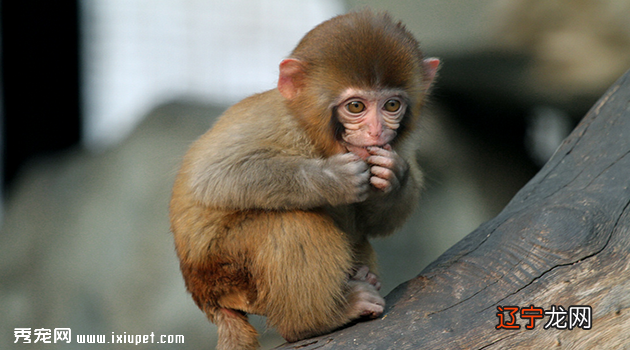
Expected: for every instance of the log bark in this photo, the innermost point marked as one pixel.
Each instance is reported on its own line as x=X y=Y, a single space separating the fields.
x=563 y=240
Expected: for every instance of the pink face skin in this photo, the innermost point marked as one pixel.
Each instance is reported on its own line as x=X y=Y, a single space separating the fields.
x=370 y=118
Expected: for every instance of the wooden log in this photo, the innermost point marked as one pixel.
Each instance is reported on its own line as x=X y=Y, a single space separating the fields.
x=563 y=241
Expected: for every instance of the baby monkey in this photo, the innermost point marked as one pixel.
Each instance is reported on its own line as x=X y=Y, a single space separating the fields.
x=273 y=206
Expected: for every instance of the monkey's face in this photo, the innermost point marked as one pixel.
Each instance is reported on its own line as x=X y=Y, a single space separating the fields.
x=369 y=118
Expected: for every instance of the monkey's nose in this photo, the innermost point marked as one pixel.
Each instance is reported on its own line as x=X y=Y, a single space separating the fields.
x=375 y=130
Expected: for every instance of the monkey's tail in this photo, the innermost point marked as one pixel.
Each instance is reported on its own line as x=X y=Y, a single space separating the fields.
x=235 y=331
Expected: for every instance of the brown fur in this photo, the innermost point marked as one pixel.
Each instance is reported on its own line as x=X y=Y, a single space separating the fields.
x=266 y=218
x=362 y=50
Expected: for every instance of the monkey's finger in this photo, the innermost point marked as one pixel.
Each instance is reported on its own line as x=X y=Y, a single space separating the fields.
x=371 y=310
x=380 y=151
x=377 y=285
x=373 y=280
x=370 y=295
x=361 y=273
x=363 y=167
x=383 y=173
x=359 y=175
x=381 y=184
x=386 y=162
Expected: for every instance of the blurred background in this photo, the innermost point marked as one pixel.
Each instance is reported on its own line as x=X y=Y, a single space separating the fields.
x=101 y=98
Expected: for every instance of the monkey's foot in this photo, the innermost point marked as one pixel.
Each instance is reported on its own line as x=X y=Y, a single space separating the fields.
x=363 y=297
x=363 y=274
x=364 y=300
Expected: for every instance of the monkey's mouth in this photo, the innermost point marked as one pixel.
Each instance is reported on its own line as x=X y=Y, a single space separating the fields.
x=360 y=151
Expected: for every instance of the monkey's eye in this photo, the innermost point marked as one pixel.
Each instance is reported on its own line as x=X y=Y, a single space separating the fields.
x=392 y=106
x=355 y=107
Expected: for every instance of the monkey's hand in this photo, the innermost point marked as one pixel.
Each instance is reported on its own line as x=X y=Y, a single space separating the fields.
x=348 y=177
x=387 y=167
x=363 y=297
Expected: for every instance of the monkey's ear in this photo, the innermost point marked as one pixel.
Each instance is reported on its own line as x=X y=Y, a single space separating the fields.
x=431 y=66
x=291 y=78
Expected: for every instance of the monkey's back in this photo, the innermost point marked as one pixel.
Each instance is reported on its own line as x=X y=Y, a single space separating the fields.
x=251 y=126
x=219 y=239
x=231 y=257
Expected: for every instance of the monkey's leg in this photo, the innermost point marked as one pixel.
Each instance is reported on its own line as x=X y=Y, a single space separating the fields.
x=365 y=267
x=222 y=288
x=306 y=291
x=213 y=264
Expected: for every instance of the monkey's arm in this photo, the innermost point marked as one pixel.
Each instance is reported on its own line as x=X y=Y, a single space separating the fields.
x=267 y=179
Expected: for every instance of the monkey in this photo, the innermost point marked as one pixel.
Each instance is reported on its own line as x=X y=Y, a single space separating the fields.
x=272 y=208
